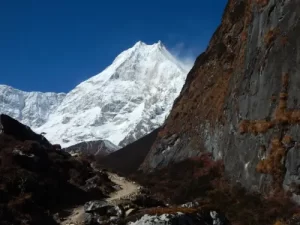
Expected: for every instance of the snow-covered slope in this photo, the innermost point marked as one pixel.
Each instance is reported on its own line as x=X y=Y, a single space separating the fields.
x=30 y=108
x=98 y=148
x=127 y=100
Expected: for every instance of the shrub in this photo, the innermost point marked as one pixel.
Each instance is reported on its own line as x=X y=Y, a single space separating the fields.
x=262 y=3
x=270 y=36
x=202 y=179
x=160 y=211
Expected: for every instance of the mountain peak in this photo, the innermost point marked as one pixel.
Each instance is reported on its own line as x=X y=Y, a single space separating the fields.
x=127 y=100
x=159 y=44
x=141 y=44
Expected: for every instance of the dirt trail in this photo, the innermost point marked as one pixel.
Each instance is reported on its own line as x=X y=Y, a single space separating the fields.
x=128 y=189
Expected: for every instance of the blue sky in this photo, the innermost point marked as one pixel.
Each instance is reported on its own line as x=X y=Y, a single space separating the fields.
x=53 y=45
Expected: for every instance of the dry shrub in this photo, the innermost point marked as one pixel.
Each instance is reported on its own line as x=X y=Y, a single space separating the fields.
x=160 y=211
x=283 y=95
x=244 y=126
x=273 y=98
x=242 y=207
x=201 y=179
x=285 y=80
x=164 y=132
x=287 y=139
x=255 y=127
x=272 y=164
x=262 y=3
x=284 y=40
x=294 y=116
x=279 y=222
x=270 y=36
x=244 y=35
x=183 y=181
x=19 y=201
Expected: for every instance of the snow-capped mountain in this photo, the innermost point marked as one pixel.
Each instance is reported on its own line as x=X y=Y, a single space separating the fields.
x=30 y=108
x=127 y=100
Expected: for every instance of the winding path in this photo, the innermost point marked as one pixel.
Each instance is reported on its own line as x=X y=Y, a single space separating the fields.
x=128 y=189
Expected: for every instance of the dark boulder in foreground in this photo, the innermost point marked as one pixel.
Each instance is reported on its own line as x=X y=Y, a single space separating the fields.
x=20 y=131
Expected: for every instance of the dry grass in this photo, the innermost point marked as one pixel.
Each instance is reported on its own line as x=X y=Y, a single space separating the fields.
x=272 y=164
x=244 y=35
x=255 y=127
x=160 y=211
x=294 y=116
x=199 y=179
x=285 y=80
x=273 y=98
x=262 y=3
x=279 y=222
x=270 y=36
x=19 y=201
x=284 y=40
x=282 y=115
x=287 y=139
x=283 y=95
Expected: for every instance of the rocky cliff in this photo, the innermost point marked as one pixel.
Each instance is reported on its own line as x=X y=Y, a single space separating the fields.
x=240 y=100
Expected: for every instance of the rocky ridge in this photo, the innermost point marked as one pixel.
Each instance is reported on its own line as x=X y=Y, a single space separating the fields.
x=240 y=100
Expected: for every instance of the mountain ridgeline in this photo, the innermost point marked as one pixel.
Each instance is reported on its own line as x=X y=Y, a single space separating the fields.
x=240 y=101
x=126 y=101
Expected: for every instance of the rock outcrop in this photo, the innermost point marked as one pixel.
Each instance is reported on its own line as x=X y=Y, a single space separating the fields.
x=240 y=100
x=179 y=218
x=37 y=179
x=100 y=147
x=19 y=131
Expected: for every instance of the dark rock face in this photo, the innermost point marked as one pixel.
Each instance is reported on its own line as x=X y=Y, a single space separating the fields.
x=101 y=147
x=240 y=101
x=20 y=131
x=128 y=159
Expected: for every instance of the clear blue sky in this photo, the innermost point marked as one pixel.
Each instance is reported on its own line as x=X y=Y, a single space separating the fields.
x=53 y=45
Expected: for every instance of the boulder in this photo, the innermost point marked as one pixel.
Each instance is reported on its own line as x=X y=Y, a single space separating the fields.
x=130 y=211
x=179 y=218
x=96 y=206
x=190 y=205
x=101 y=212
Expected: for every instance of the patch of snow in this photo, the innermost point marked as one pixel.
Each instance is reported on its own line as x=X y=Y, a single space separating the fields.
x=31 y=108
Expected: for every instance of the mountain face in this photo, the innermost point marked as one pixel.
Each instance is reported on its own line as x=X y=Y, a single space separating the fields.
x=31 y=108
x=97 y=148
x=129 y=99
x=241 y=99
